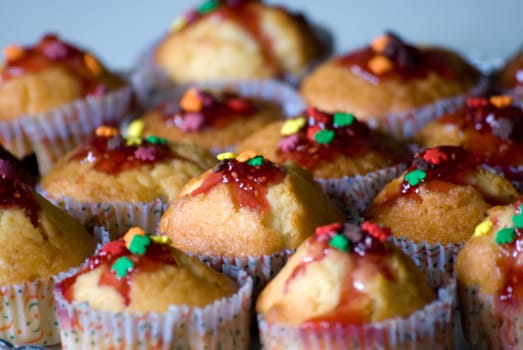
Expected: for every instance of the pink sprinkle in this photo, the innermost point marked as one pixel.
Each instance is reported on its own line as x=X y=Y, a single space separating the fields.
x=289 y=143
x=145 y=153
x=55 y=50
x=99 y=90
x=192 y=122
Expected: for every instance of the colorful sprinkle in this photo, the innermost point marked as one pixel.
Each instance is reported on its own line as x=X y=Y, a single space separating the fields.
x=135 y=128
x=505 y=236
x=501 y=101
x=122 y=266
x=13 y=52
x=133 y=141
x=287 y=144
x=139 y=244
x=379 y=44
x=518 y=221
x=376 y=231
x=161 y=239
x=483 y=228
x=106 y=131
x=340 y=242
x=114 y=247
x=208 y=6
x=192 y=122
x=477 y=102
x=256 y=161
x=147 y=153
x=156 y=140
x=380 y=65
x=415 y=177
x=92 y=64
x=191 y=101
x=129 y=235
x=343 y=119
x=292 y=126
x=317 y=115
x=311 y=132
x=55 y=50
x=434 y=156
x=226 y=155
x=326 y=229
x=324 y=137
x=246 y=155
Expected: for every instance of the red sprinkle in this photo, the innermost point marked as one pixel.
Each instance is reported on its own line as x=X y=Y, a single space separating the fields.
x=328 y=229
x=376 y=230
x=477 y=102
x=434 y=156
x=114 y=247
x=311 y=131
x=317 y=115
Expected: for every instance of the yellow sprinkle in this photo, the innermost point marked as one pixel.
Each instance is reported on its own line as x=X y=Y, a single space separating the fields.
x=292 y=126
x=501 y=101
x=133 y=231
x=246 y=155
x=226 y=155
x=161 y=239
x=133 y=141
x=483 y=228
x=106 y=131
x=92 y=64
x=177 y=24
x=135 y=129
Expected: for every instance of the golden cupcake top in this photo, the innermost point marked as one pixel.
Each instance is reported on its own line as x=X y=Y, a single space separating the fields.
x=52 y=51
x=344 y=274
x=133 y=271
x=390 y=57
x=200 y=109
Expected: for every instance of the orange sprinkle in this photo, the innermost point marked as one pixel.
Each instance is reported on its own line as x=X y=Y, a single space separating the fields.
x=380 y=43
x=106 y=131
x=92 y=64
x=133 y=231
x=13 y=52
x=191 y=102
x=380 y=65
x=246 y=155
x=501 y=101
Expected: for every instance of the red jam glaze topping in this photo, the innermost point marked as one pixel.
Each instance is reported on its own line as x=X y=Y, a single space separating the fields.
x=248 y=183
x=351 y=139
x=49 y=51
x=493 y=133
x=199 y=109
x=366 y=245
x=16 y=194
x=395 y=59
x=156 y=256
x=113 y=154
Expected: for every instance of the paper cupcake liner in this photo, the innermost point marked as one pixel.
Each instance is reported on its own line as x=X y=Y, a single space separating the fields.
x=116 y=217
x=487 y=325
x=14 y=139
x=404 y=125
x=54 y=133
x=429 y=328
x=261 y=268
x=221 y=325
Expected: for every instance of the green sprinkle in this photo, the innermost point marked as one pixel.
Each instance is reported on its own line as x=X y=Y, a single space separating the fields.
x=505 y=236
x=415 y=177
x=139 y=244
x=343 y=119
x=156 y=140
x=518 y=220
x=208 y=6
x=256 y=161
x=340 y=242
x=324 y=137
x=121 y=266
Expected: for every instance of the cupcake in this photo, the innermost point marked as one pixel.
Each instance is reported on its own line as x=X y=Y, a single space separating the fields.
x=348 y=288
x=438 y=201
x=328 y=145
x=219 y=115
x=40 y=241
x=488 y=269
x=247 y=211
x=510 y=77
x=247 y=39
x=391 y=84
x=53 y=89
x=140 y=291
x=490 y=128
x=119 y=182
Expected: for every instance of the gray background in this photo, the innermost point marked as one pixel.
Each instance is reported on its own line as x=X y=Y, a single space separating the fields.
x=117 y=30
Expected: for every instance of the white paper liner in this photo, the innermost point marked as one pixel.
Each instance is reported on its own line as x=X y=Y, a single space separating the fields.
x=116 y=217
x=54 y=133
x=221 y=325
x=429 y=328
x=14 y=139
x=261 y=268
x=487 y=326
x=404 y=125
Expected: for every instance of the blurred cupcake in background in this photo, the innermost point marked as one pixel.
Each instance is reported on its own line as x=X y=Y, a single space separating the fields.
x=53 y=95
x=392 y=84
